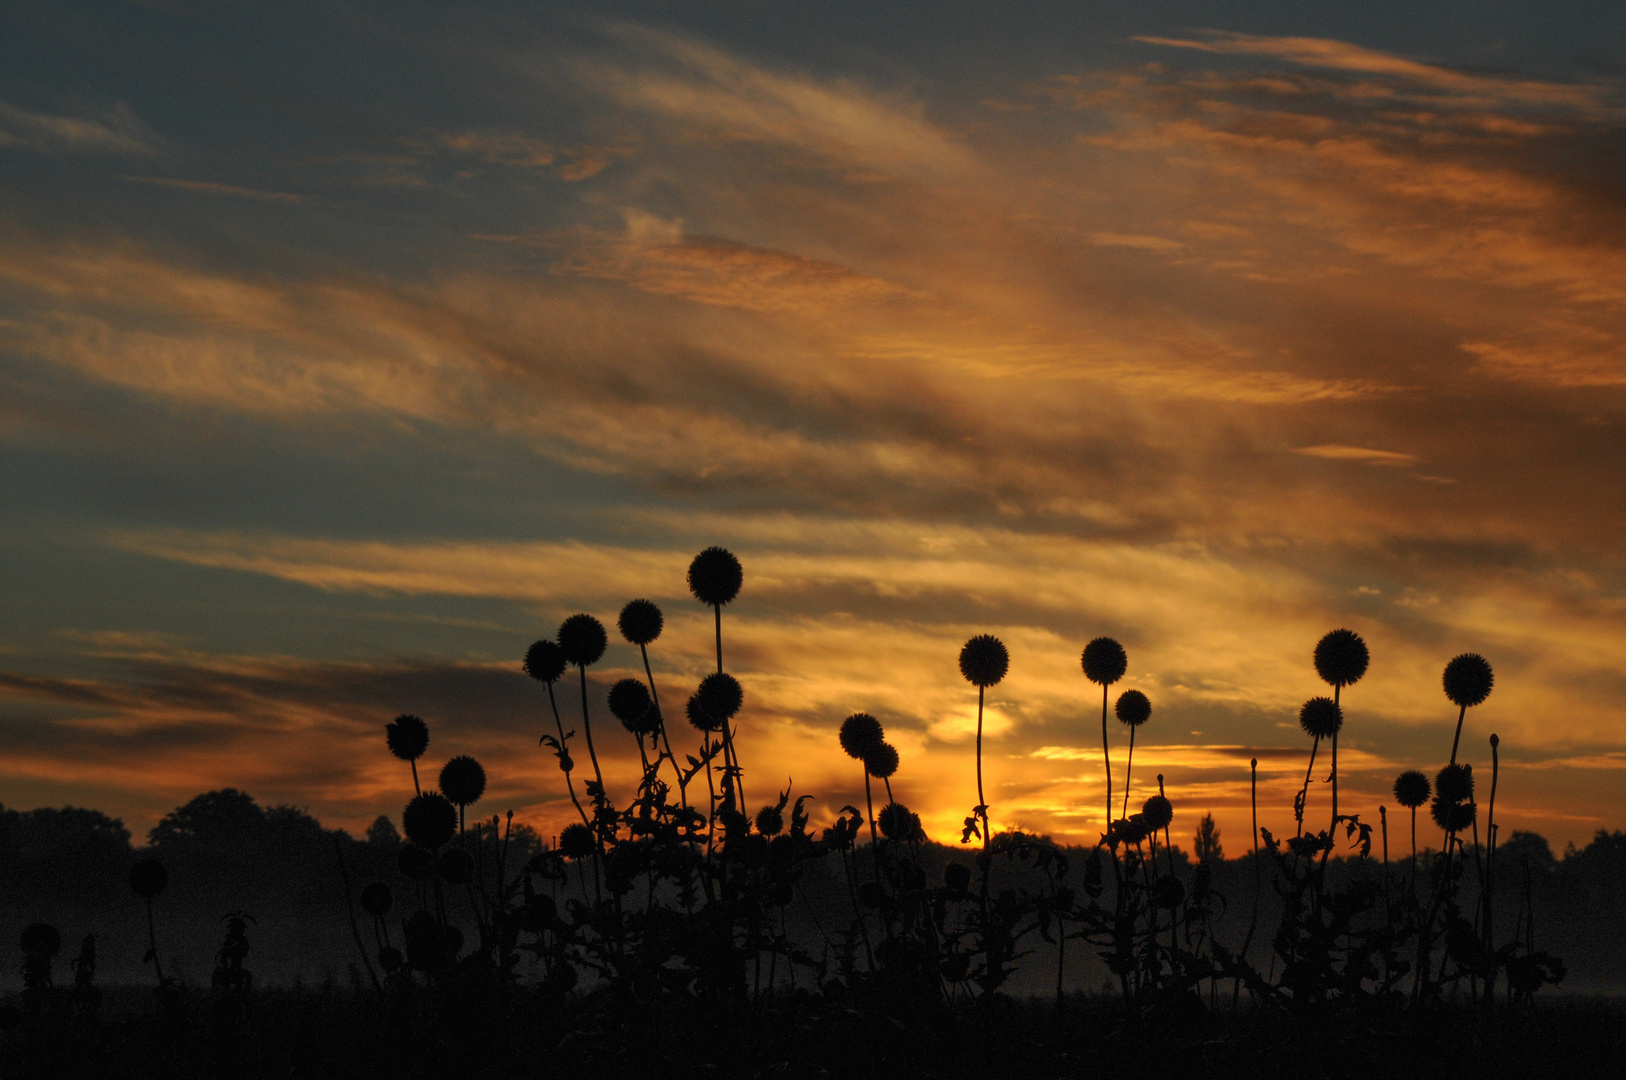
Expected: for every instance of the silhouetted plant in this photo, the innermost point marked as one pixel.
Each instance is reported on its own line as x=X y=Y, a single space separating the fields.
x=1468 y=680
x=230 y=976
x=148 y=878
x=408 y=738
x=1133 y=709
x=463 y=782
x=1341 y=658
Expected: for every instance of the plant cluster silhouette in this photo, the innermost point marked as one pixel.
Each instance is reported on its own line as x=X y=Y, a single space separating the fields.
x=670 y=887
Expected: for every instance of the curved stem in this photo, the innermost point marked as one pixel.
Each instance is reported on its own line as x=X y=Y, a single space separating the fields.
x=152 y=943
x=660 y=718
x=570 y=785
x=587 y=729
x=1304 y=794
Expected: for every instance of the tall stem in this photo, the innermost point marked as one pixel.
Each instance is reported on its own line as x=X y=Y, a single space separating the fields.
x=1304 y=794
x=570 y=785
x=1127 y=770
x=414 y=763
x=587 y=729
x=1106 y=757
x=152 y=943
x=1333 y=827
x=660 y=718
x=1457 y=738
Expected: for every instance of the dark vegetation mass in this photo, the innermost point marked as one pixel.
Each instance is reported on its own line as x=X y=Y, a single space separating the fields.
x=693 y=929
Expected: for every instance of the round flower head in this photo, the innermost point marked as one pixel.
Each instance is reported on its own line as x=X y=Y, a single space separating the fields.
x=429 y=820
x=455 y=866
x=896 y=821
x=631 y=704
x=148 y=878
x=720 y=695
x=576 y=841
x=1133 y=708
x=1131 y=830
x=984 y=661
x=1158 y=812
x=40 y=940
x=1321 y=717
x=699 y=717
x=1412 y=789
x=376 y=899
x=1105 y=661
x=882 y=761
x=770 y=821
x=715 y=576
x=545 y=662
x=957 y=876
x=415 y=863
x=583 y=640
x=861 y=734
x=390 y=959
x=1455 y=783
x=1341 y=658
x=463 y=780
x=407 y=736
x=640 y=622
x=1452 y=816
x=1468 y=679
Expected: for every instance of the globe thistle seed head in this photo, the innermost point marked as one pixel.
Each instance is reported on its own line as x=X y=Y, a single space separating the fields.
x=631 y=704
x=1412 y=789
x=640 y=622
x=1494 y=741
x=576 y=842
x=1133 y=708
x=699 y=717
x=957 y=877
x=1455 y=783
x=1158 y=812
x=1132 y=829
x=715 y=576
x=376 y=899
x=415 y=863
x=984 y=660
x=390 y=959
x=40 y=941
x=148 y=878
x=896 y=821
x=429 y=820
x=407 y=737
x=860 y=734
x=1321 y=718
x=1341 y=658
x=882 y=761
x=1452 y=816
x=463 y=780
x=583 y=640
x=721 y=695
x=770 y=821
x=1105 y=661
x=455 y=866
x=1468 y=679
x=545 y=661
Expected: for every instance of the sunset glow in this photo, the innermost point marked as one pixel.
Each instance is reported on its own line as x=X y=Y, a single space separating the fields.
x=333 y=375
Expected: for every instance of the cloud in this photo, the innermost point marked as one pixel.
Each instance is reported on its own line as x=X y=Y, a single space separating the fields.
x=116 y=130
x=683 y=79
x=215 y=189
x=1365 y=455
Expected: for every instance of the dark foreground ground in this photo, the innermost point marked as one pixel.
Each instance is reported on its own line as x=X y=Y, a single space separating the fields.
x=339 y=1033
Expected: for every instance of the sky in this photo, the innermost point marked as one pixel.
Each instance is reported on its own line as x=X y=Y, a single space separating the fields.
x=346 y=348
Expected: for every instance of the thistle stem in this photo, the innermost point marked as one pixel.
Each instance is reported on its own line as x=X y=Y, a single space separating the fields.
x=1128 y=768
x=1461 y=713
x=587 y=729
